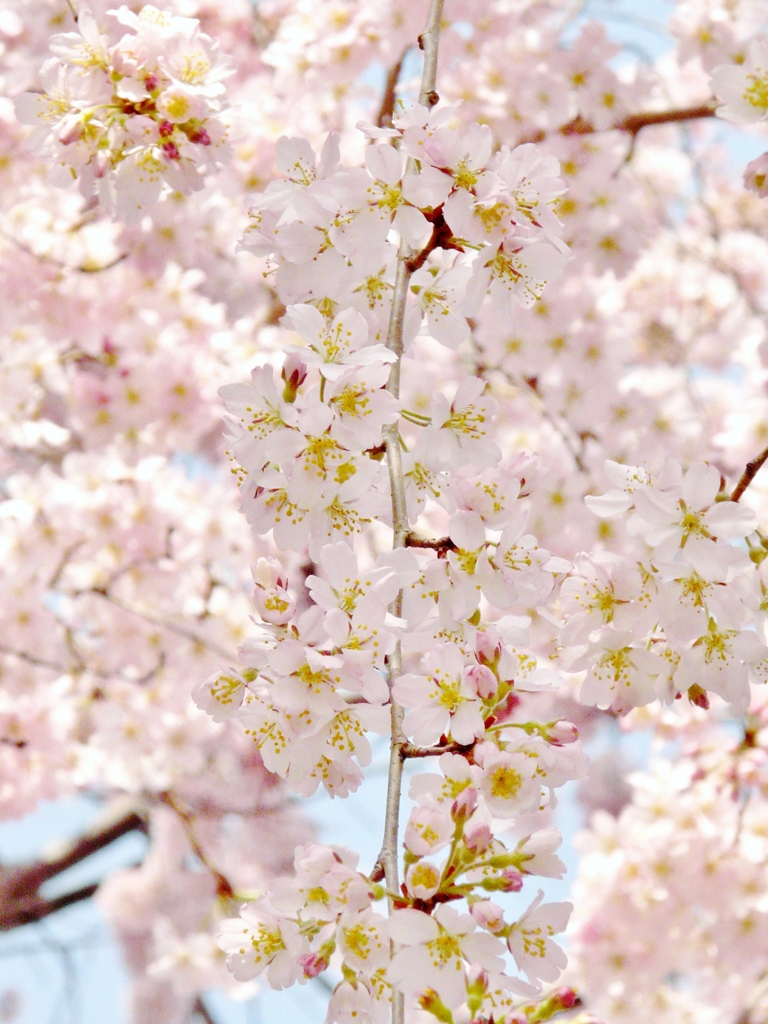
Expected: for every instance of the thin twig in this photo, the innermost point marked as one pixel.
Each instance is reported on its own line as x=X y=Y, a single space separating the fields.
x=223 y=887
x=387 y=862
x=632 y=124
x=409 y=750
x=82 y=268
x=749 y=474
x=563 y=429
x=202 y=1011
x=172 y=627
x=389 y=98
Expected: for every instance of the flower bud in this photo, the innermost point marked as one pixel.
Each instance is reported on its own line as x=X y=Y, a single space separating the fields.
x=488 y=915
x=294 y=373
x=510 y=880
x=477 y=986
x=312 y=964
x=464 y=804
x=71 y=130
x=482 y=680
x=200 y=137
x=561 y=733
x=477 y=837
x=565 y=997
x=432 y=1003
x=488 y=646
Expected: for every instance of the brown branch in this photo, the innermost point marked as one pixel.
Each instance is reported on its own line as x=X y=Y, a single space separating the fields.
x=45 y=908
x=408 y=750
x=749 y=474
x=20 y=900
x=441 y=545
x=161 y=623
x=636 y=122
x=633 y=123
x=223 y=887
x=83 y=268
x=389 y=97
x=530 y=386
x=441 y=238
x=202 y=1011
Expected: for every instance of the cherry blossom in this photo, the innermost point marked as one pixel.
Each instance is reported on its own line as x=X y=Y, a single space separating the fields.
x=492 y=372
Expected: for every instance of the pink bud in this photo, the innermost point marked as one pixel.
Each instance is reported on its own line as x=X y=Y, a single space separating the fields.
x=312 y=964
x=102 y=163
x=477 y=976
x=488 y=646
x=294 y=373
x=513 y=880
x=477 y=837
x=171 y=151
x=71 y=130
x=201 y=137
x=565 y=997
x=488 y=915
x=465 y=803
x=151 y=82
x=165 y=128
x=561 y=733
x=482 y=680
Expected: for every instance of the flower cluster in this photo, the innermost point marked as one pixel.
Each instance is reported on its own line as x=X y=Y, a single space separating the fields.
x=308 y=453
x=128 y=112
x=743 y=90
x=683 y=618
x=672 y=895
x=125 y=565
x=487 y=217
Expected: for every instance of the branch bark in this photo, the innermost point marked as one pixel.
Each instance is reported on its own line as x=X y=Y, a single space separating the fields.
x=633 y=123
x=387 y=863
x=223 y=887
x=20 y=899
x=202 y=1011
x=749 y=474
x=389 y=98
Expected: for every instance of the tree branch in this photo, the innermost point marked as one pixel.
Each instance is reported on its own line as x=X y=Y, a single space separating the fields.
x=409 y=750
x=442 y=545
x=387 y=862
x=202 y=1011
x=20 y=900
x=633 y=123
x=223 y=886
x=389 y=97
x=172 y=627
x=749 y=474
x=83 y=268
